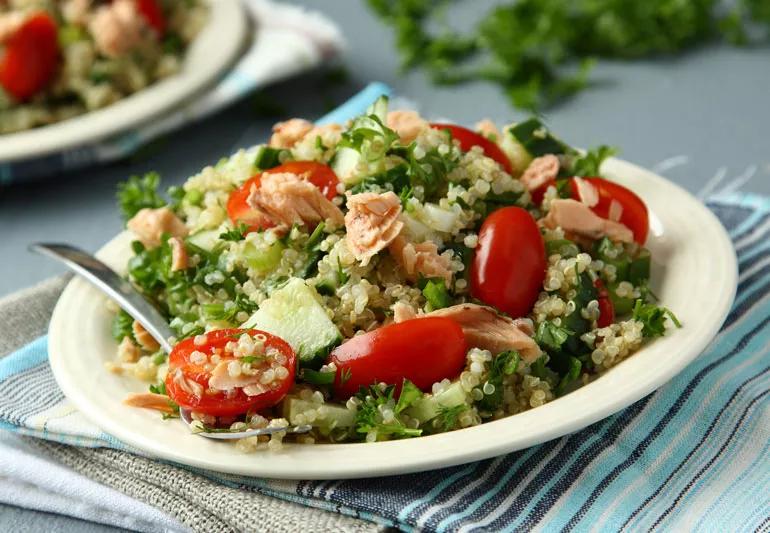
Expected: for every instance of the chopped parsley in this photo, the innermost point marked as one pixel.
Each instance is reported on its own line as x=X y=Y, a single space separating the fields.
x=550 y=336
x=447 y=418
x=236 y=234
x=268 y=158
x=138 y=193
x=374 y=401
x=589 y=163
x=540 y=52
x=653 y=318
x=503 y=365
x=122 y=326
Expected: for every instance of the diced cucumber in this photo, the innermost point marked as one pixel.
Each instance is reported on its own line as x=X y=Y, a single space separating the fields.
x=428 y=407
x=294 y=314
x=333 y=417
x=533 y=135
x=265 y=259
x=437 y=218
x=517 y=154
x=206 y=239
x=347 y=165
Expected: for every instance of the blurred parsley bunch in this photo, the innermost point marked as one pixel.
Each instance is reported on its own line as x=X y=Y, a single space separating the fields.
x=541 y=51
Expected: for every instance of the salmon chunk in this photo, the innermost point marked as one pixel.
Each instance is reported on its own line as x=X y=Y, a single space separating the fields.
x=577 y=218
x=371 y=223
x=117 y=28
x=420 y=259
x=540 y=171
x=407 y=124
x=149 y=400
x=149 y=225
x=287 y=199
x=287 y=134
x=484 y=328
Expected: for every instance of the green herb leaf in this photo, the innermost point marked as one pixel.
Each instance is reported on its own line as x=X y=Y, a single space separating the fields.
x=447 y=418
x=138 y=193
x=369 y=417
x=653 y=318
x=236 y=234
x=551 y=336
x=316 y=237
x=122 y=326
x=590 y=163
x=503 y=365
x=159 y=388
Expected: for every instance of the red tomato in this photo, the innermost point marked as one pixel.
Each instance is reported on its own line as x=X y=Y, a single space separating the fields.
x=537 y=194
x=469 y=138
x=153 y=14
x=634 y=215
x=31 y=57
x=318 y=174
x=606 y=309
x=424 y=351
x=220 y=403
x=509 y=265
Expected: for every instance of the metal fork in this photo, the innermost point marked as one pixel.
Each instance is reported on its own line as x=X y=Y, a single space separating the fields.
x=131 y=300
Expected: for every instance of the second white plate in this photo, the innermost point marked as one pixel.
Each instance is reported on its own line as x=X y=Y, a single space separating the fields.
x=213 y=50
x=690 y=249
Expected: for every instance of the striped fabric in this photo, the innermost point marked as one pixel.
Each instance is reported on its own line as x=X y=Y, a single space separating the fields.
x=289 y=40
x=692 y=456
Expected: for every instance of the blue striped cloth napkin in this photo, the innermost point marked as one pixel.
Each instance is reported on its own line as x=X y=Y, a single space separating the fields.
x=691 y=456
x=289 y=40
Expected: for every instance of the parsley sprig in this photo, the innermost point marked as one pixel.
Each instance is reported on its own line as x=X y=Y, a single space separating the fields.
x=541 y=51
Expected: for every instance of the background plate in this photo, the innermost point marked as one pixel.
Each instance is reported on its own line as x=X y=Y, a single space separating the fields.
x=213 y=50
x=694 y=274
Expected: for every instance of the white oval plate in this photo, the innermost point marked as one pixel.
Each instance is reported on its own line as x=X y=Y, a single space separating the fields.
x=690 y=249
x=212 y=51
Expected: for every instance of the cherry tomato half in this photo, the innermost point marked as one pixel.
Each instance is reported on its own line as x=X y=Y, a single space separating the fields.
x=424 y=351
x=509 y=265
x=634 y=215
x=153 y=14
x=31 y=57
x=221 y=403
x=320 y=175
x=606 y=309
x=469 y=139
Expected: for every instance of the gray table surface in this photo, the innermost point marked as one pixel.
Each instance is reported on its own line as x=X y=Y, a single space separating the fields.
x=705 y=114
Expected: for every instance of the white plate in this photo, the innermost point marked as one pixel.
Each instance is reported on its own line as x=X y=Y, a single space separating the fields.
x=212 y=51
x=690 y=249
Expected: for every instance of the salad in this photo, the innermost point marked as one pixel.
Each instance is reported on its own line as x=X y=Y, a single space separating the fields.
x=386 y=278
x=61 y=58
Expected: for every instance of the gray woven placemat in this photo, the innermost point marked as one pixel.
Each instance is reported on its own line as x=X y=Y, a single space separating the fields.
x=195 y=501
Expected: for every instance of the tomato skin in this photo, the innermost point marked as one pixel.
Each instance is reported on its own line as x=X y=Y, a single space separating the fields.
x=424 y=351
x=31 y=57
x=320 y=175
x=635 y=215
x=509 y=265
x=469 y=139
x=219 y=403
x=537 y=194
x=606 y=309
x=153 y=14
